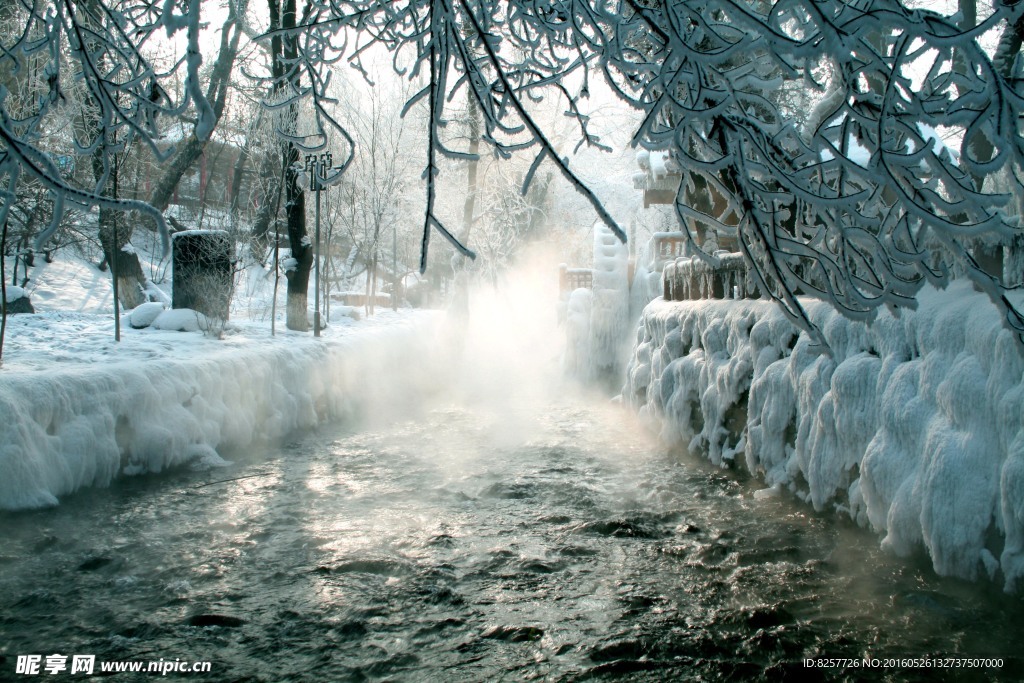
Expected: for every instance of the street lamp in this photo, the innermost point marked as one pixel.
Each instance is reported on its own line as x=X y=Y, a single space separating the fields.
x=317 y=165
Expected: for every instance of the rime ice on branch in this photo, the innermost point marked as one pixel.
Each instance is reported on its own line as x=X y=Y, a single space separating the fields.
x=845 y=197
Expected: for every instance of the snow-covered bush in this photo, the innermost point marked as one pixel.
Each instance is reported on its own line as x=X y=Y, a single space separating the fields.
x=18 y=301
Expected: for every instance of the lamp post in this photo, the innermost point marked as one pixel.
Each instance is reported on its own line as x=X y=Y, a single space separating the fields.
x=317 y=165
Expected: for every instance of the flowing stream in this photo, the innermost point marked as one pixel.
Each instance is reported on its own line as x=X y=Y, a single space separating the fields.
x=543 y=539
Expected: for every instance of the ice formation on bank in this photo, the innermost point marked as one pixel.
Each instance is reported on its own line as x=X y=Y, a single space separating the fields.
x=66 y=429
x=912 y=426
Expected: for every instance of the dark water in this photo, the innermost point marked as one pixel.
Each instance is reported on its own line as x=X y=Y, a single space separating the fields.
x=547 y=543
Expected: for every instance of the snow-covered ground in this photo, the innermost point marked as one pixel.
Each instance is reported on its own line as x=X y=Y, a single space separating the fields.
x=78 y=409
x=913 y=426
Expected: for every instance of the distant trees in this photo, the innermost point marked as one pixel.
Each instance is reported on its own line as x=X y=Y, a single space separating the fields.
x=369 y=201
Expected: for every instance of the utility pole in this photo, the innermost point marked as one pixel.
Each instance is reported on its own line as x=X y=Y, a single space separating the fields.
x=114 y=250
x=394 y=266
x=317 y=165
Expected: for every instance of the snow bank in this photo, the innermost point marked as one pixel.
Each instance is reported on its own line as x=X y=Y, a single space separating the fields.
x=78 y=426
x=145 y=314
x=912 y=426
x=176 y=320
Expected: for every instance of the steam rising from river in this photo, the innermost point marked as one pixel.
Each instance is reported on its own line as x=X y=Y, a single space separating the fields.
x=506 y=346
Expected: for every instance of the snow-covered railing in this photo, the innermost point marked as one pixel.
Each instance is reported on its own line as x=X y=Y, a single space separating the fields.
x=911 y=425
x=686 y=279
x=361 y=299
x=667 y=247
x=571 y=279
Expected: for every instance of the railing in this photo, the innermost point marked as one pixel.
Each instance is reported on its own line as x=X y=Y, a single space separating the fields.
x=360 y=299
x=667 y=247
x=571 y=279
x=683 y=278
x=687 y=279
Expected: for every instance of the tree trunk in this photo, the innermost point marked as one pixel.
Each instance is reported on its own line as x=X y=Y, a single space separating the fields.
x=302 y=251
x=130 y=285
x=268 y=210
x=186 y=155
x=469 y=205
x=285 y=69
x=131 y=280
x=3 y=289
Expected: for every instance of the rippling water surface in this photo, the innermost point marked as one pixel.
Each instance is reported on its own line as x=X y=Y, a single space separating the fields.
x=547 y=542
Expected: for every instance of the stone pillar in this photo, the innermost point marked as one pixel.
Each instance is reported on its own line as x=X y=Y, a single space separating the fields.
x=203 y=272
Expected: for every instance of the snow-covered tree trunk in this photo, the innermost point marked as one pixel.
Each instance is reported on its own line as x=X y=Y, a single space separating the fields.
x=3 y=283
x=472 y=166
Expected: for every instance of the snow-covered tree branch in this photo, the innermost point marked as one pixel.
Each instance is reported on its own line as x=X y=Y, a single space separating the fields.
x=876 y=190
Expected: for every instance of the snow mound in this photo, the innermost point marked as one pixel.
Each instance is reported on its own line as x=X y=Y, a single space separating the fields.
x=14 y=293
x=912 y=426
x=145 y=314
x=179 y=320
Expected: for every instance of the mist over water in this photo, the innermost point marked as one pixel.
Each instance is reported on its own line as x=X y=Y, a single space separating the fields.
x=510 y=527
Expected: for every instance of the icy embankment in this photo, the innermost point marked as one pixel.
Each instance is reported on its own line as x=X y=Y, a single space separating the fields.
x=912 y=426
x=77 y=425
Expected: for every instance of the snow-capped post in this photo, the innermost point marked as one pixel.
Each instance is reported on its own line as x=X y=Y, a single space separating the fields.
x=318 y=165
x=203 y=272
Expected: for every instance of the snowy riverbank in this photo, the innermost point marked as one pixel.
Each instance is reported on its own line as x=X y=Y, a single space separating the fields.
x=912 y=427
x=76 y=410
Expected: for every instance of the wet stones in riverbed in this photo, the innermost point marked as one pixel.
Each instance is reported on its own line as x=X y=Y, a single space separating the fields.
x=94 y=563
x=510 y=491
x=628 y=648
x=378 y=566
x=578 y=551
x=640 y=526
x=513 y=634
x=222 y=620
x=760 y=617
x=45 y=543
x=932 y=605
